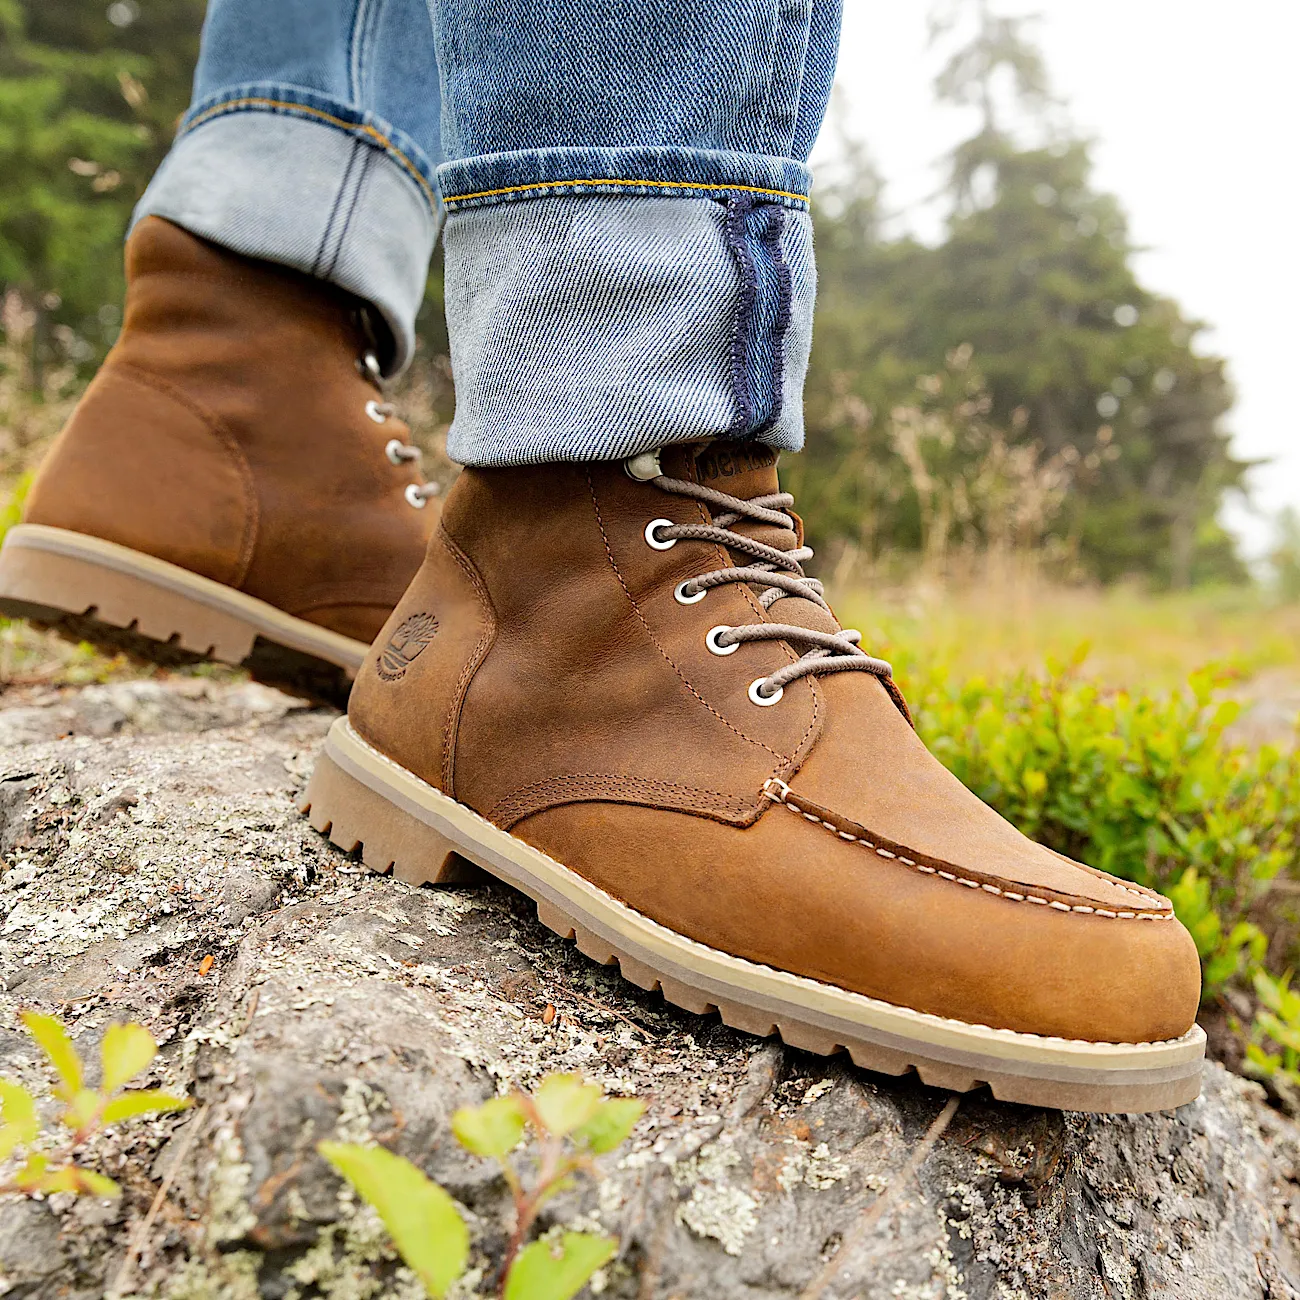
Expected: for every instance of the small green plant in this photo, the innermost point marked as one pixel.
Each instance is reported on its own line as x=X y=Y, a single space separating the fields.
x=126 y=1052
x=1273 y=1047
x=571 y=1121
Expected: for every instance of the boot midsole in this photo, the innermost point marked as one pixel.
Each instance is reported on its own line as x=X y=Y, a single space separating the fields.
x=1053 y=1071
x=45 y=572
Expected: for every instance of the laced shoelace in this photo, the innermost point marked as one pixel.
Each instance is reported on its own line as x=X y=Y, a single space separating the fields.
x=778 y=573
x=397 y=451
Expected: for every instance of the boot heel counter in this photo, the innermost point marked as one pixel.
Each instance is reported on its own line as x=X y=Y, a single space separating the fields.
x=407 y=697
x=140 y=465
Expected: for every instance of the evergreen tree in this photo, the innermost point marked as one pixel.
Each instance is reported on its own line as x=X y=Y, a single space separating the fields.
x=88 y=98
x=1035 y=276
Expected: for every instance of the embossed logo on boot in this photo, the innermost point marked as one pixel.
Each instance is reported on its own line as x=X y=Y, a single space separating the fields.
x=406 y=645
x=720 y=461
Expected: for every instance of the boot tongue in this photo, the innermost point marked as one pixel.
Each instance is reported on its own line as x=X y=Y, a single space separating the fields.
x=748 y=470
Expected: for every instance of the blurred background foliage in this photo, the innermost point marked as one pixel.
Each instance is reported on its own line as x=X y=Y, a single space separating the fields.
x=1012 y=390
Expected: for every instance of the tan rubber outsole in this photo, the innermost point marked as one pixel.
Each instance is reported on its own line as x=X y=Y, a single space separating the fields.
x=90 y=589
x=365 y=801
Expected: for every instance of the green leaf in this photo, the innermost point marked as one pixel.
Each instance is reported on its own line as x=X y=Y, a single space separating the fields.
x=93 y=1184
x=20 y=1122
x=83 y=1110
x=565 y=1102
x=492 y=1129
x=422 y=1219
x=126 y=1051
x=614 y=1120
x=146 y=1101
x=548 y=1270
x=53 y=1040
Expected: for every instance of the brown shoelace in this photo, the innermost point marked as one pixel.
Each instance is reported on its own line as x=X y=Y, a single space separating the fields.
x=778 y=574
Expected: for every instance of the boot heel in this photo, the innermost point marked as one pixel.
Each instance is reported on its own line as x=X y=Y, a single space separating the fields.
x=390 y=840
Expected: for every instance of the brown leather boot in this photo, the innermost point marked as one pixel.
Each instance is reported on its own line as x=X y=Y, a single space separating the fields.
x=614 y=688
x=232 y=485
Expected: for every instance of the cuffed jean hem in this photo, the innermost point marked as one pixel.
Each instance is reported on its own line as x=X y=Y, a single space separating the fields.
x=596 y=328
x=635 y=170
x=310 y=188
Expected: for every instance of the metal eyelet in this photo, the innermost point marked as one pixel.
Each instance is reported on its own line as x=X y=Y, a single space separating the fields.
x=681 y=597
x=756 y=694
x=376 y=412
x=368 y=365
x=715 y=647
x=644 y=467
x=394 y=451
x=651 y=540
x=414 y=497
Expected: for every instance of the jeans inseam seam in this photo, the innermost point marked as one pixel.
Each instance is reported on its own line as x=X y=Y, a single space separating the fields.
x=316 y=266
x=366 y=15
x=366 y=165
x=738 y=209
x=354 y=129
x=781 y=325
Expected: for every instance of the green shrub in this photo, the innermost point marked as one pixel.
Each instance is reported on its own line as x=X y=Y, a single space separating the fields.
x=1143 y=785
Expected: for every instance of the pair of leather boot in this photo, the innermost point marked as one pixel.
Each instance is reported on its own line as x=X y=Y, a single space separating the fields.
x=611 y=685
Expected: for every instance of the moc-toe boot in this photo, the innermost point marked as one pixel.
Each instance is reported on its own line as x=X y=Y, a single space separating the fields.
x=613 y=687
x=232 y=485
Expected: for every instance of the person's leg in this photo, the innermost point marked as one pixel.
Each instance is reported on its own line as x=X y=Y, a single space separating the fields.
x=311 y=141
x=629 y=250
x=237 y=433
x=612 y=683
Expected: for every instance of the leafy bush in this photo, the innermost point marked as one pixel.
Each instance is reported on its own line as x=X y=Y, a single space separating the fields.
x=1142 y=785
x=571 y=1121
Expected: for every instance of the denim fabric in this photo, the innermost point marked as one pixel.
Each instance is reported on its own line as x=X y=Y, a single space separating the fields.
x=629 y=256
x=312 y=141
x=530 y=285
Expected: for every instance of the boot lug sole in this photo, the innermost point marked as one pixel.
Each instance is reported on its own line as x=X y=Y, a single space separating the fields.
x=85 y=588
x=364 y=801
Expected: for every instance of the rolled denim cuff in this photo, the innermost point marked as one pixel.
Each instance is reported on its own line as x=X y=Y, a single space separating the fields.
x=598 y=327
x=643 y=170
x=288 y=176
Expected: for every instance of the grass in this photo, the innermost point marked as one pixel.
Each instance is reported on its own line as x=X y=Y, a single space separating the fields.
x=1131 y=638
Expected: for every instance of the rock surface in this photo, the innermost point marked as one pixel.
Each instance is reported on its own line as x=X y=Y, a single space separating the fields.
x=147 y=826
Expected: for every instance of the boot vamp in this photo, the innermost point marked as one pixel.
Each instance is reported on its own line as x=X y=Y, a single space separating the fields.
x=877 y=871
x=788 y=894
x=871 y=774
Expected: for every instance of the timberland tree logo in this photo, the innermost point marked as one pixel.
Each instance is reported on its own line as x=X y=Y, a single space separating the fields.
x=406 y=645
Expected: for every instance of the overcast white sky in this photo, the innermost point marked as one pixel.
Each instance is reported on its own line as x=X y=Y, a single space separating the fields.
x=1193 y=105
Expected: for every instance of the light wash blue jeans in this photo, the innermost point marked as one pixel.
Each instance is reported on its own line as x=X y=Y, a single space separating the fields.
x=624 y=186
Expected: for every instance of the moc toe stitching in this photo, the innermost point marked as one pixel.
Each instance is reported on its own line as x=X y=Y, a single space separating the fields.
x=1158 y=908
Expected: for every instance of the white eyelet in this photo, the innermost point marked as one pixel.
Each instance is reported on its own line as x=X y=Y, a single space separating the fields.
x=759 y=698
x=394 y=451
x=414 y=497
x=373 y=411
x=680 y=596
x=715 y=647
x=651 y=540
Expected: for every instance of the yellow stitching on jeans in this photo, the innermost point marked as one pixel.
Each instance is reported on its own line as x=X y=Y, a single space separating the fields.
x=672 y=185
x=377 y=136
